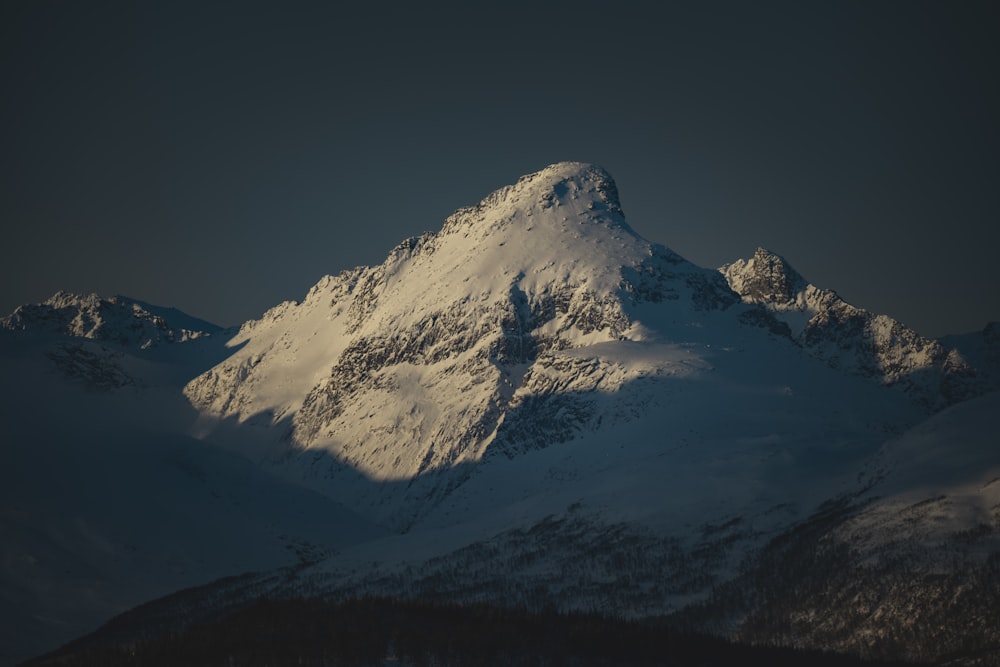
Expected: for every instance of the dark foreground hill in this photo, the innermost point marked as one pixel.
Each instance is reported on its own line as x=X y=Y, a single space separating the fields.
x=384 y=631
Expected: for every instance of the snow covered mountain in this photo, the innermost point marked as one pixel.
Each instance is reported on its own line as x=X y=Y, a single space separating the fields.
x=532 y=319
x=461 y=345
x=541 y=407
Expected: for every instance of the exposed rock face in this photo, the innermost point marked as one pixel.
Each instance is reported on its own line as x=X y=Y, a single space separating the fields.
x=766 y=278
x=849 y=338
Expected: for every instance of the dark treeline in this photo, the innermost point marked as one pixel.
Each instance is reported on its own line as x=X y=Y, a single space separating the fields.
x=382 y=631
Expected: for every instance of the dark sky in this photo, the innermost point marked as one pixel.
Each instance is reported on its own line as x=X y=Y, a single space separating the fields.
x=222 y=157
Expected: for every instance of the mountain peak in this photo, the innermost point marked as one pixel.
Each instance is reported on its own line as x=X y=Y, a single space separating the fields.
x=764 y=278
x=558 y=230
x=559 y=192
x=570 y=179
x=118 y=319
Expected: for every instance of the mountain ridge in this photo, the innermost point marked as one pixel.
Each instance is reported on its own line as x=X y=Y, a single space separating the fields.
x=848 y=337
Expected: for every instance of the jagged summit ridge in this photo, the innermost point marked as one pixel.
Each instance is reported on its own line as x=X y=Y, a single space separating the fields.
x=847 y=337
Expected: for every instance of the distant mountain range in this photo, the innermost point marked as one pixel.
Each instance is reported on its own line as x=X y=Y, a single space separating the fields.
x=533 y=406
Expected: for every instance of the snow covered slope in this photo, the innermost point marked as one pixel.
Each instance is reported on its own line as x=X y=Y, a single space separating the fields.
x=908 y=568
x=901 y=564
x=105 y=502
x=902 y=561
x=847 y=337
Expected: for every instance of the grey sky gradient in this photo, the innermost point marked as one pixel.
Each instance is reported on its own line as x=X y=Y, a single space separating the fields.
x=222 y=157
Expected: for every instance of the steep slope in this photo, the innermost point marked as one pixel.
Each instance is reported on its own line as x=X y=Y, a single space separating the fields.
x=850 y=338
